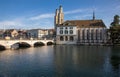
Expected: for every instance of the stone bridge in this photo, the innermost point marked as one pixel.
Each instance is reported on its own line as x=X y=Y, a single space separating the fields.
x=8 y=43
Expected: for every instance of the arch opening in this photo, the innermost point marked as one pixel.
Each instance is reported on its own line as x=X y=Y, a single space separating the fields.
x=20 y=45
x=2 y=48
x=37 y=44
x=23 y=45
x=15 y=46
x=50 y=43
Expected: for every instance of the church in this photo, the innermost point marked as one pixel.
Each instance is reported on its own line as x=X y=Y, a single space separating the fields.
x=83 y=32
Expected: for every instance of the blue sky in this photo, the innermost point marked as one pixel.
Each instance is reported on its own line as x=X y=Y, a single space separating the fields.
x=27 y=14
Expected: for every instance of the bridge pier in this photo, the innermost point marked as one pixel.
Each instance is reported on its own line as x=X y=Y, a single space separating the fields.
x=7 y=44
x=45 y=43
x=8 y=47
x=32 y=45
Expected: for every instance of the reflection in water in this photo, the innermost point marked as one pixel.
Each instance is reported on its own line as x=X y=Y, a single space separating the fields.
x=31 y=62
x=61 y=61
x=115 y=60
x=80 y=60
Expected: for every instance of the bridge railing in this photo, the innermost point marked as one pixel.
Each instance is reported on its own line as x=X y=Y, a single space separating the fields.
x=28 y=39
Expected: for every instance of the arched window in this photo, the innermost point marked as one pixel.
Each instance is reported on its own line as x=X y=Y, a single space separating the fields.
x=61 y=38
x=96 y=34
x=100 y=34
x=92 y=34
x=61 y=31
x=71 y=38
x=71 y=31
x=87 y=34
x=78 y=35
x=66 y=38
x=66 y=31
x=83 y=34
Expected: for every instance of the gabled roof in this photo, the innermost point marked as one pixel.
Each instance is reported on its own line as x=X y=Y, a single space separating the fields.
x=84 y=23
x=9 y=30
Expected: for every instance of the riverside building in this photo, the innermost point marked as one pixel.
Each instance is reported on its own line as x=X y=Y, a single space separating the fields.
x=86 y=32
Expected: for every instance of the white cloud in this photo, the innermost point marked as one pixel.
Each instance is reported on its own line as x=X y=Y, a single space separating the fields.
x=39 y=21
x=86 y=16
x=118 y=7
x=51 y=15
x=73 y=11
x=76 y=11
x=42 y=16
x=7 y=23
x=10 y=24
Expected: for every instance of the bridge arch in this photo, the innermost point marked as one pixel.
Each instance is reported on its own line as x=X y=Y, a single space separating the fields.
x=27 y=43
x=36 y=44
x=50 y=43
x=21 y=44
x=2 y=47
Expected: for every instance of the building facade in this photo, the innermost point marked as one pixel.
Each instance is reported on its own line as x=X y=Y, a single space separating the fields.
x=89 y=32
x=12 y=33
x=66 y=34
x=41 y=33
x=37 y=33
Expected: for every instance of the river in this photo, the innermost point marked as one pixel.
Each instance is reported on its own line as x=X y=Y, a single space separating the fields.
x=61 y=61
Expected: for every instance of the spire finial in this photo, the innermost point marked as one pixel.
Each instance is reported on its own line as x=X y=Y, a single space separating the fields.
x=93 y=15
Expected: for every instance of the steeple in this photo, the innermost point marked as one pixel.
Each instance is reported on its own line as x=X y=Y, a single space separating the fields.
x=57 y=11
x=56 y=17
x=60 y=9
x=60 y=15
x=93 y=15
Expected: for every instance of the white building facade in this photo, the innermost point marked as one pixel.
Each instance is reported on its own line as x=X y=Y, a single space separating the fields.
x=85 y=32
x=66 y=35
x=91 y=36
x=37 y=33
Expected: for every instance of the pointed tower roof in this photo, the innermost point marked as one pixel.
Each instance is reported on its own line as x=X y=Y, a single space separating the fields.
x=93 y=15
x=57 y=11
x=60 y=9
x=60 y=6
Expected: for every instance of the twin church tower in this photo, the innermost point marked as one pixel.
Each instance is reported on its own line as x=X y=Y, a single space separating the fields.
x=59 y=16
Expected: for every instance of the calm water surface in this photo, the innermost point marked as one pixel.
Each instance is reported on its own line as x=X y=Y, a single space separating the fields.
x=61 y=61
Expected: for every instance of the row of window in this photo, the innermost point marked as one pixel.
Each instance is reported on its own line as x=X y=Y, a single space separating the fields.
x=99 y=35
x=97 y=31
x=70 y=38
x=66 y=27
x=66 y=32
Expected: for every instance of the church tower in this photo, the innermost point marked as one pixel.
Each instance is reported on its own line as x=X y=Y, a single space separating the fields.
x=56 y=17
x=60 y=15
